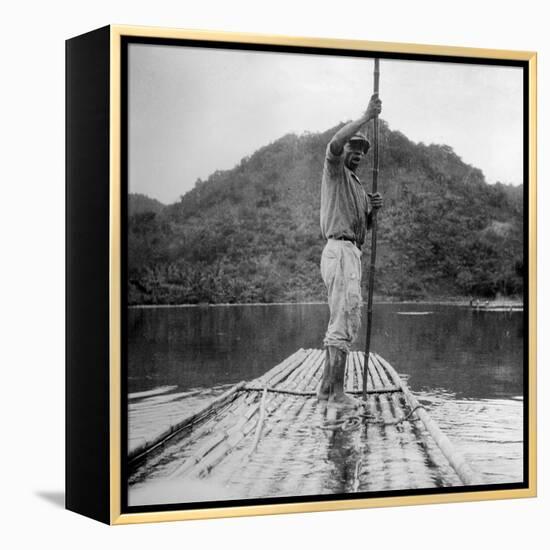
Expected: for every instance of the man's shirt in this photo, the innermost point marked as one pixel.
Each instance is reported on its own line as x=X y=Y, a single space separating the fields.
x=344 y=204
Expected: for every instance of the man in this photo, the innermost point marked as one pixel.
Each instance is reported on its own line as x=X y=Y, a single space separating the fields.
x=345 y=218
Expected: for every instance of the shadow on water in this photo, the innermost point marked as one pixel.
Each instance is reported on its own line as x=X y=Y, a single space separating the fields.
x=342 y=457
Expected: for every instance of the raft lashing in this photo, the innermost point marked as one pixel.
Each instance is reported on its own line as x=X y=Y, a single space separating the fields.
x=272 y=437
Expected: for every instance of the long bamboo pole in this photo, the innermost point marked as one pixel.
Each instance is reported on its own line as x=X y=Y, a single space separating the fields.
x=374 y=228
x=139 y=452
x=213 y=449
x=455 y=458
x=275 y=375
x=226 y=443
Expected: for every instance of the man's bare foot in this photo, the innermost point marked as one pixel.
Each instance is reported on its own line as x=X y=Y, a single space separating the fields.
x=343 y=401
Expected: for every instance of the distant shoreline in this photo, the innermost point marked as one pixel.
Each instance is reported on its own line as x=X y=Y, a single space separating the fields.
x=443 y=302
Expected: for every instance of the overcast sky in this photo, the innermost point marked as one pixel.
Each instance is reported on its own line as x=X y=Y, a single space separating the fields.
x=194 y=111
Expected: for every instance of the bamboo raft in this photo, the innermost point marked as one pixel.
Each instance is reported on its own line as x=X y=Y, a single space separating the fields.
x=506 y=307
x=498 y=308
x=272 y=437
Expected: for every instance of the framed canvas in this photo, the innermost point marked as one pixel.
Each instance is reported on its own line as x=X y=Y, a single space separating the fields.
x=250 y=217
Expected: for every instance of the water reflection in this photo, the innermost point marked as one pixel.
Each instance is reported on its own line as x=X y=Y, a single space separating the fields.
x=344 y=461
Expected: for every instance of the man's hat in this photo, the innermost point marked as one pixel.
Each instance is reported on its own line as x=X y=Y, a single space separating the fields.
x=361 y=137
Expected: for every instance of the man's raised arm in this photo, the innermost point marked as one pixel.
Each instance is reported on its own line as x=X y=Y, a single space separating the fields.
x=346 y=132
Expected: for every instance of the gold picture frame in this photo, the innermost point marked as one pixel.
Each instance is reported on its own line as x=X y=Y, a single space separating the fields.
x=106 y=505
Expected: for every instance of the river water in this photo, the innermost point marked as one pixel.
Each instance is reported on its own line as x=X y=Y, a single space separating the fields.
x=465 y=366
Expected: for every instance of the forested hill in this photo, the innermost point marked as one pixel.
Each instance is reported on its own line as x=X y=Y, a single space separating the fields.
x=251 y=234
x=138 y=203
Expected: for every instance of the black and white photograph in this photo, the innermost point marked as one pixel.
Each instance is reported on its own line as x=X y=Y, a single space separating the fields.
x=287 y=214
x=278 y=266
